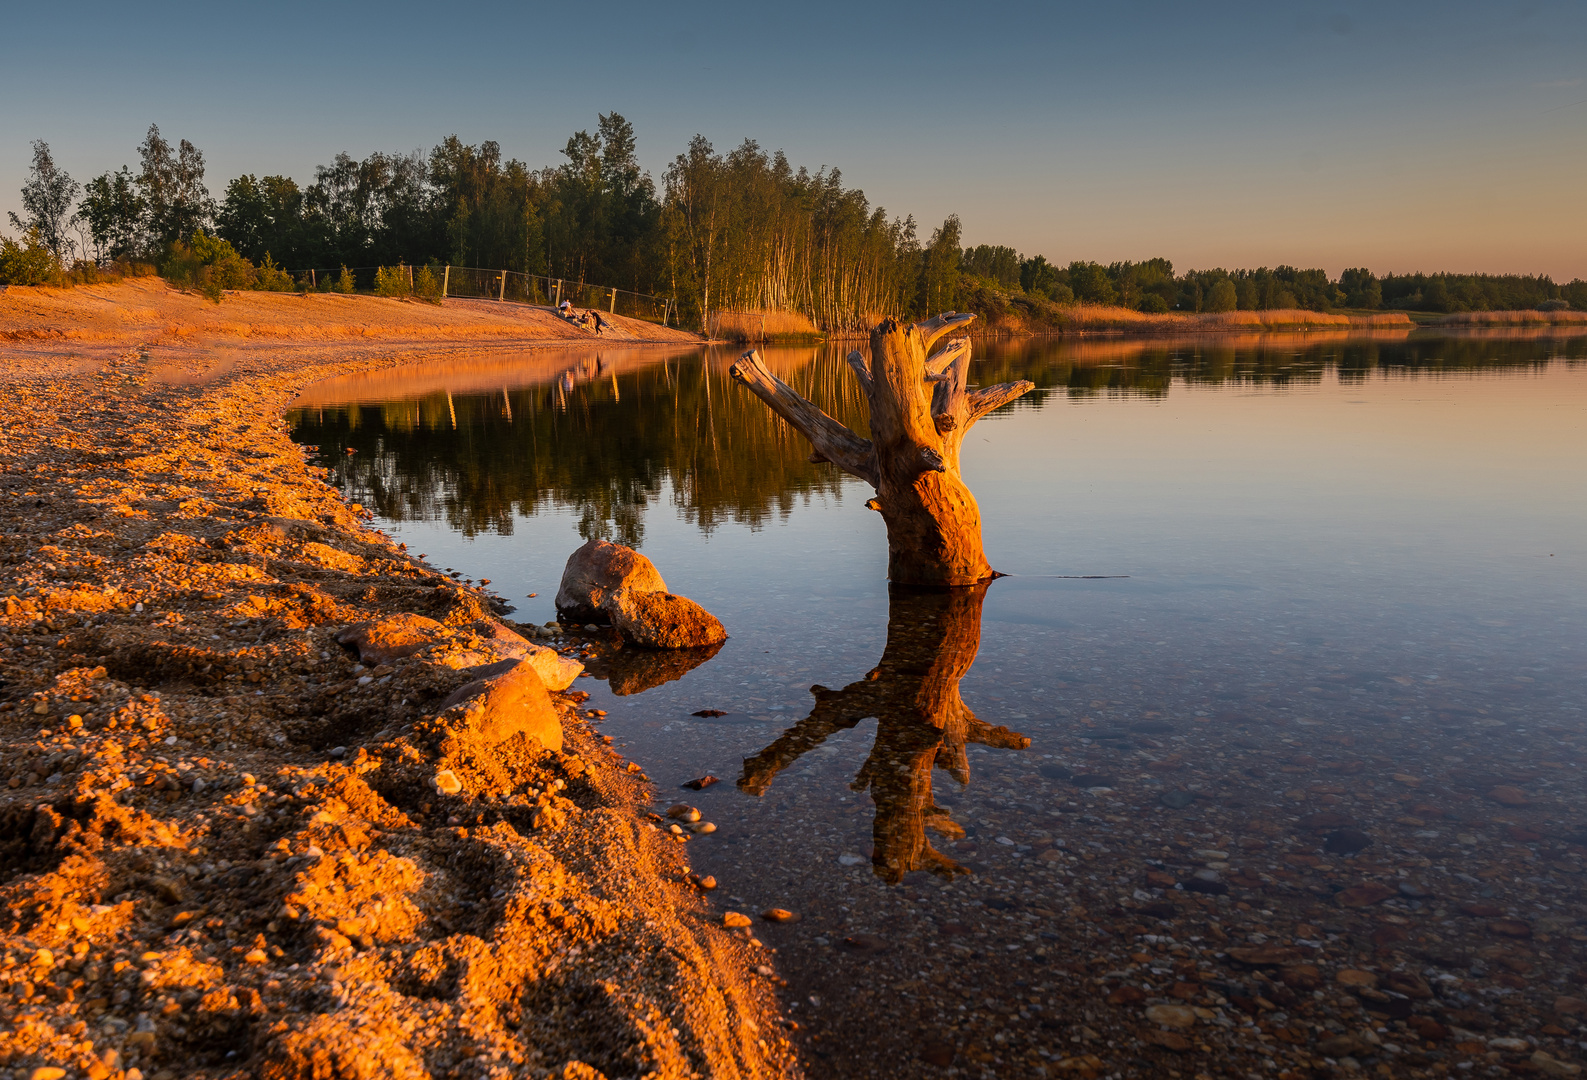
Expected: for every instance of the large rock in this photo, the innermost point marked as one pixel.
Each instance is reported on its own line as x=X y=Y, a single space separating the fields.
x=596 y=571
x=492 y=642
x=510 y=700
x=384 y=640
x=660 y=620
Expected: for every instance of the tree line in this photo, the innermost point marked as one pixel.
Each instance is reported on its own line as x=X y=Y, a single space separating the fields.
x=741 y=230
x=1152 y=286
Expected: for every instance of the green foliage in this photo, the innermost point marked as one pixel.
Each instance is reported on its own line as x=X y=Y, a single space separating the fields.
x=1091 y=283
x=260 y=216
x=746 y=230
x=114 y=212
x=345 y=282
x=939 y=269
x=392 y=281
x=271 y=278
x=1221 y=297
x=427 y=283
x=208 y=264
x=29 y=262
x=998 y=264
x=1475 y=292
x=47 y=198
x=1153 y=304
x=171 y=185
x=1361 y=288
x=738 y=230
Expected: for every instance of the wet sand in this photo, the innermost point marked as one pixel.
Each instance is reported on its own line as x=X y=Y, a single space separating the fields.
x=222 y=848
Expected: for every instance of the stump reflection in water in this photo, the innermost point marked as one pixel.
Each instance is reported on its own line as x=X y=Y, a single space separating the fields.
x=932 y=637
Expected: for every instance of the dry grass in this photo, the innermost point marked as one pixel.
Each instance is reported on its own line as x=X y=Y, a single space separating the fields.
x=1094 y=317
x=1514 y=318
x=760 y=325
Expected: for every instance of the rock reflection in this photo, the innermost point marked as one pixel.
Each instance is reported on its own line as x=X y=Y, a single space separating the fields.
x=922 y=722
x=633 y=671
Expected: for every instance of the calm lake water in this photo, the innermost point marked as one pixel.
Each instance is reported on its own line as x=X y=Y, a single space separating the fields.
x=1252 y=580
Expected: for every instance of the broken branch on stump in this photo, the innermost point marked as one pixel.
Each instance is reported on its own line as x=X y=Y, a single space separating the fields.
x=988 y=398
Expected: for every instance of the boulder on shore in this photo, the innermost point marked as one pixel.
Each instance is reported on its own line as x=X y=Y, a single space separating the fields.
x=490 y=642
x=598 y=569
x=509 y=701
x=384 y=640
x=661 y=620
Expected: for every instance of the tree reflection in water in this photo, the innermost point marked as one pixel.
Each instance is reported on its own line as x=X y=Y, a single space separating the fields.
x=921 y=723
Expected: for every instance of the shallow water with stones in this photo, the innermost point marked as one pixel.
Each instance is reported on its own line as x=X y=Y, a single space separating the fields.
x=1294 y=625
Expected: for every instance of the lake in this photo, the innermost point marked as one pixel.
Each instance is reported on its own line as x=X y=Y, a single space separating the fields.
x=1294 y=625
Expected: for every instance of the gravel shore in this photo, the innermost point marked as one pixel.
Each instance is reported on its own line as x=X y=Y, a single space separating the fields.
x=223 y=847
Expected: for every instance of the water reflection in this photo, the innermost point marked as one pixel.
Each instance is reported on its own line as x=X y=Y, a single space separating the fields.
x=480 y=443
x=921 y=723
x=630 y=671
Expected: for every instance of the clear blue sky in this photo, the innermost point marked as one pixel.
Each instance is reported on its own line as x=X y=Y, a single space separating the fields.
x=1400 y=136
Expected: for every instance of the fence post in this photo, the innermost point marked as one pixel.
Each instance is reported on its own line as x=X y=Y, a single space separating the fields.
x=502 y=295
x=410 y=281
x=446 y=279
x=313 y=284
x=558 y=302
x=613 y=308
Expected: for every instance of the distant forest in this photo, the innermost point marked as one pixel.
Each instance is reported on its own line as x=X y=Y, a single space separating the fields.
x=734 y=231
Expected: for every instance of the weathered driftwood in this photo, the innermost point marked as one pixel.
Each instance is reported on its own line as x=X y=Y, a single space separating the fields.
x=921 y=409
x=921 y=723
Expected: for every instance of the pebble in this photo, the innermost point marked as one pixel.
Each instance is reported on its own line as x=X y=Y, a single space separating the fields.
x=735 y=920
x=1346 y=842
x=778 y=914
x=1174 y=1016
x=1355 y=977
x=683 y=812
x=704 y=827
x=1549 y=1065
x=447 y=783
x=1177 y=800
x=701 y=783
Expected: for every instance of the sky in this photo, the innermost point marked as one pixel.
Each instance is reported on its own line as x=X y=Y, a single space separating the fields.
x=1396 y=135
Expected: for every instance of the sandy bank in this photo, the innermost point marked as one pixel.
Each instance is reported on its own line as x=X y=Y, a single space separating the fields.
x=193 y=882
x=146 y=311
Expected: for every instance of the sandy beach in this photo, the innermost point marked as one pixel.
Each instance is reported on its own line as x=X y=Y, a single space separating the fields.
x=228 y=847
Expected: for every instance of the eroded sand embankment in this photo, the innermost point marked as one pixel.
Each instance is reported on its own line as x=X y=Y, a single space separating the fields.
x=191 y=883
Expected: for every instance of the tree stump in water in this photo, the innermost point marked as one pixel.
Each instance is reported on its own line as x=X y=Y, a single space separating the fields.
x=921 y=410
